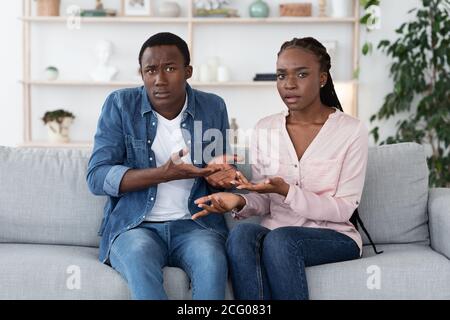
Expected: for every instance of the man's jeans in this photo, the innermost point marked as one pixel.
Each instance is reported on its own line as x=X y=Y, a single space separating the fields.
x=267 y=264
x=140 y=254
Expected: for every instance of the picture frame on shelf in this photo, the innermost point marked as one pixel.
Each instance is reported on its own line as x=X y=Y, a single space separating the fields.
x=136 y=8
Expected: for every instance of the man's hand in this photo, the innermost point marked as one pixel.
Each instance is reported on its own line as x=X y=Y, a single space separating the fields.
x=176 y=169
x=226 y=172
x=270 y=185
x=220 y=202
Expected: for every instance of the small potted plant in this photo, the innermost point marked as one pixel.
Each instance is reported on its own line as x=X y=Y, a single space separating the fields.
x=58 y=124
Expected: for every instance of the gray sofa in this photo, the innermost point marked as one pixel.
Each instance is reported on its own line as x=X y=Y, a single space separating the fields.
x=49 y=242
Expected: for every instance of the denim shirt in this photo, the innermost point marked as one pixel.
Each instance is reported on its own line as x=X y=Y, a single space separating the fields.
x=126 y=130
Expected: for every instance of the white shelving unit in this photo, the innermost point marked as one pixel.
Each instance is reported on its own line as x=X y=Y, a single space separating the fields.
x=188 y=21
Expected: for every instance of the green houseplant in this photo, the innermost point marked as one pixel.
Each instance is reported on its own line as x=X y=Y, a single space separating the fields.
x=58 y=123
x=421 y=75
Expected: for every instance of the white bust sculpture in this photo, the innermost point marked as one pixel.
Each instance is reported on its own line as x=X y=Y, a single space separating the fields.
x=103 y=71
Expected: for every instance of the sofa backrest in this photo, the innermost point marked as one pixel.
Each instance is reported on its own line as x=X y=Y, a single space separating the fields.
x=44 y=197
x=394 y=201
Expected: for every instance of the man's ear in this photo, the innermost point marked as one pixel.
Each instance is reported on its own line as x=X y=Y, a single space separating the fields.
x=188 y=72
x=140 y=72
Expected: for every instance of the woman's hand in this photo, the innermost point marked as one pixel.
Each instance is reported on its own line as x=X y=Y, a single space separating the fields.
x=270 y=185
x=221 y=202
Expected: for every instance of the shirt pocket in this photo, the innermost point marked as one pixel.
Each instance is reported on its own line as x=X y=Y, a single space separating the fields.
x=321 y=176
x=136 y=151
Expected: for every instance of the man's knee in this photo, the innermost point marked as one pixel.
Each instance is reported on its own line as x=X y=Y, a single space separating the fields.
x=244 y=237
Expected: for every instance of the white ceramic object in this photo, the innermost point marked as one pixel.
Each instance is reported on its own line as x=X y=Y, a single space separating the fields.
x=169 y=9
x=341 y=8
x=205 y=73
x=104 y=71
x=51 y=73
x=213 y=64
x=223 y=74
x=195 y=73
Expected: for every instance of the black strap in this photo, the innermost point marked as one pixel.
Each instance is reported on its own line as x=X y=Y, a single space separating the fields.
x=358 y=219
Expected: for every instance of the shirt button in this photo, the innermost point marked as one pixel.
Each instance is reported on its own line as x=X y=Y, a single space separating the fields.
x=183 y=125
x=151 y=159
x=149 y=141
x=151 y=199
x=296 y=183
x=143 y=217
x=153 y=123
x=195 y=161
x=295 y=165
x=189 y=142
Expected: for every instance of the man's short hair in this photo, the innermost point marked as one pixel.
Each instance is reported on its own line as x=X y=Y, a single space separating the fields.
x=167 y=39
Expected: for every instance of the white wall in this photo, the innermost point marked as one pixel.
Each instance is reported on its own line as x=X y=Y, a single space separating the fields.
x=10 y=72
x=75 y=57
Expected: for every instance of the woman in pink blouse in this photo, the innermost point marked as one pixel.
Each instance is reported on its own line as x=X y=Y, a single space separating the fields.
x=308 y=166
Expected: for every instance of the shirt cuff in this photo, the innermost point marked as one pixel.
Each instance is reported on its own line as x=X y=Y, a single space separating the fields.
x=291 y=194
x=113 y=178
x=246 y=211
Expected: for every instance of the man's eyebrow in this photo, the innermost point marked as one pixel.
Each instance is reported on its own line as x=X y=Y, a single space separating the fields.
x=154 y=66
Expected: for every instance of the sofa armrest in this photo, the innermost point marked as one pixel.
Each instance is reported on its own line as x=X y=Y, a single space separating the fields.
x=439 y=215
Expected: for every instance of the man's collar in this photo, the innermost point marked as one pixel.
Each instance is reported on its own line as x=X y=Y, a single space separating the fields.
x=146 y=105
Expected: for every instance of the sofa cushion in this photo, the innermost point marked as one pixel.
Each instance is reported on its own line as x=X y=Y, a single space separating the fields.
x=44 y=197
x=403 y=271
x=31 y=271
x=394 y=202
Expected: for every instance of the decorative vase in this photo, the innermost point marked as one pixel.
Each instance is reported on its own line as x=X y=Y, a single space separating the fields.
x=223 y=74
x=169 y=9
x=259 y=9
x=48 y=7
x=205 y=73
x=341 y=8
x=51 y=73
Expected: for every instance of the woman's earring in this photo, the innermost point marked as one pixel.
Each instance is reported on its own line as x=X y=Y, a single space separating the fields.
x=322 y=85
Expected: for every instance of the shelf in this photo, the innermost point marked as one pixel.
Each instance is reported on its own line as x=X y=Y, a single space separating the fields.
x=108 y=19
x=46 y=144
x=75 y=83
x=79 y=83
x=195 y=20
x=271 y=20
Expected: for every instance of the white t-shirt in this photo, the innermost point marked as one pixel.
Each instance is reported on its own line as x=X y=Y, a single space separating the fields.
x=172 y=197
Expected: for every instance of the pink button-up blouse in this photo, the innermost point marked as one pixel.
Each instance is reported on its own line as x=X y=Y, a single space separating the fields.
x=325 y=185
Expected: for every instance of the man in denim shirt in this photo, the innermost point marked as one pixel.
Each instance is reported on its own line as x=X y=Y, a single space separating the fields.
x=148 y=159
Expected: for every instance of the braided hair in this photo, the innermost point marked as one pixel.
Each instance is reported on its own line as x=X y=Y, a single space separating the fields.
x=327 y=94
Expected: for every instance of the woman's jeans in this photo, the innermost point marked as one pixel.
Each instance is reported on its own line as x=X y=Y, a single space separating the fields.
x=140 y=254
x=270 y=264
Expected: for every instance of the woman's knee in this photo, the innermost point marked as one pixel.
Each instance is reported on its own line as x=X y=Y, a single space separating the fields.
x=281 y=243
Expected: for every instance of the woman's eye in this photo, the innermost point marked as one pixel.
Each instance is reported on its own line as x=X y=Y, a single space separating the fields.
x=302 y=75
x=280 y=76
